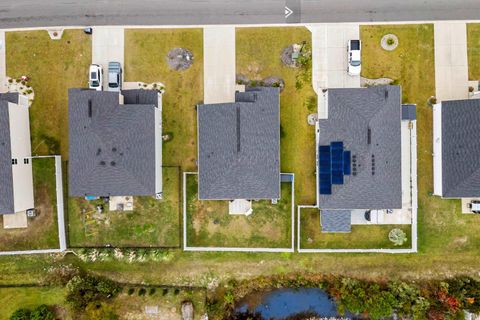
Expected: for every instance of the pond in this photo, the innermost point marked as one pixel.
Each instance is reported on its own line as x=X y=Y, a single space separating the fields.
x=282 y=303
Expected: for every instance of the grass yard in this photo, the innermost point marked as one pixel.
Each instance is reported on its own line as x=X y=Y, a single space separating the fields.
x=210 y=225
x=473 y=51
x=258 y=56
x=12 y=299
x=153 y=223
x=361 y=236
x=443 y=230
x=145 y=60
x=42 y=231
x=53 y=66
x=168 y=301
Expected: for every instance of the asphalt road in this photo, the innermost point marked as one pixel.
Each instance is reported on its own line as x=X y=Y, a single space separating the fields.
x=38 y=13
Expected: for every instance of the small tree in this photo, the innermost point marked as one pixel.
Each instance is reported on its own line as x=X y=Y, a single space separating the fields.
x=397 y=236
x=42 y=313
x=21 y=314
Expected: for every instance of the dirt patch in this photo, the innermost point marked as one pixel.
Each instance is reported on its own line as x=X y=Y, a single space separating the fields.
x=179 y=59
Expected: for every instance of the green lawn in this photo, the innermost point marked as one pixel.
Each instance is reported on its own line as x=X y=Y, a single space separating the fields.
x=361 y=236
x=42 y=231
x=443 y=230
x=145 y=60
x=53 y=66
x=473 y=50
x=153 y=223
x=12 y=299
x=258 y=56
x=210 y=225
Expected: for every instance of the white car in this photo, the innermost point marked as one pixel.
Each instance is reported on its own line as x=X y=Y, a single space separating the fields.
x=354 y=52
x=95 y=77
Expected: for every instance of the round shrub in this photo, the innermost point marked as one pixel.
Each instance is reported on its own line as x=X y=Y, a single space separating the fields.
x=131 y=291
x=142 y=292
x=151 y=292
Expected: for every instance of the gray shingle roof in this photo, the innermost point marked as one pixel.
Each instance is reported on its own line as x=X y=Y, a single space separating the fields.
x=239 y=147
x=461 y=148
x=336 y=220
x=351 y=114
x=6 y=176
x=112 y=146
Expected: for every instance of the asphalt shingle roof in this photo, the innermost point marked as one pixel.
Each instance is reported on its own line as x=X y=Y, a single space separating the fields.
x=352 y=113
x=112 y=146
x=461 y=148
x=336 y=220
x=239 y=147
x=6 y=175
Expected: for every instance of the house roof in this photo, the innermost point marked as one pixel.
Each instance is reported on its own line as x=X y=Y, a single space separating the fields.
x=239 y=147
x=461 y=148
x=112 y=146
x=6 y=175
x=336 y=220
x=368 y=122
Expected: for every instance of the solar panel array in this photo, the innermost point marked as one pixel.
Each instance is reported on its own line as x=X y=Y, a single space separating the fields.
x=334 y=163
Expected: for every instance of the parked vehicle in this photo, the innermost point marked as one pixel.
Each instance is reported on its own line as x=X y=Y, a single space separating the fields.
x=95 y=78
x=114 y=76
x=354 y=50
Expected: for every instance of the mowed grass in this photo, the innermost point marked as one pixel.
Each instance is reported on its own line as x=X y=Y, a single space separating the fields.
x=258 y=52
x=145 y=60
x=152 y=223
x=361 y=236
x=42 y=231
x=53 y=66
x=12 y=299
x=443 y=230
x=210 y=225
x=473 y=51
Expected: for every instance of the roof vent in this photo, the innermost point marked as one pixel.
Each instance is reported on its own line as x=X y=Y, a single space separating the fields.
x=89 y=108
x=112 y=163
x=99 y=151
x=386 y=94
x=114 y=149
x=102 y=163
x=238 y=129
x=369 y=136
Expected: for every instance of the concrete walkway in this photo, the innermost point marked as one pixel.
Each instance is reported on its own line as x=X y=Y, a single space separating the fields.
x=451 y=66
x=107 y=45
x=3 y=63
x=219 y=64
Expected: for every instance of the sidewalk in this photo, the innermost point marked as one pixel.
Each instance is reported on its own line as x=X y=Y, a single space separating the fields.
x=219 y=64
x=3 y=63
x=107 y=45
x=451 y=66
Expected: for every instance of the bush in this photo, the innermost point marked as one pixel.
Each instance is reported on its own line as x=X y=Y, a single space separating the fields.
x=397 y=236
x=390 y=41
x=142 y=292
x=152 y=291
x=164 y=291
x=42 y=313
x=176 y=292
x=82 y=290
x=131 y=291
x=21 y=314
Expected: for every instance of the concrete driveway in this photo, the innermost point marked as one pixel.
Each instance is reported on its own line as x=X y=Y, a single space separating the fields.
x=219 y=64
x=451 y=66
x=329 y=53
x=107 y=45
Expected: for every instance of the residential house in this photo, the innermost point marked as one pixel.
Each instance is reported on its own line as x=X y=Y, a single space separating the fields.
x=16 y=187
x=363 y=161
x=115 y=143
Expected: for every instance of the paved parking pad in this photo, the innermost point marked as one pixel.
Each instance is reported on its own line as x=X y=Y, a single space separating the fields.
x=107 y=45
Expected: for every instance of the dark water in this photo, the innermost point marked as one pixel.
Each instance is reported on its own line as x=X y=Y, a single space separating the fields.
x=281 y=303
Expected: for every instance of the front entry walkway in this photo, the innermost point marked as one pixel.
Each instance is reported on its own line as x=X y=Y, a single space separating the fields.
x=219 y=64
x=451 y=66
